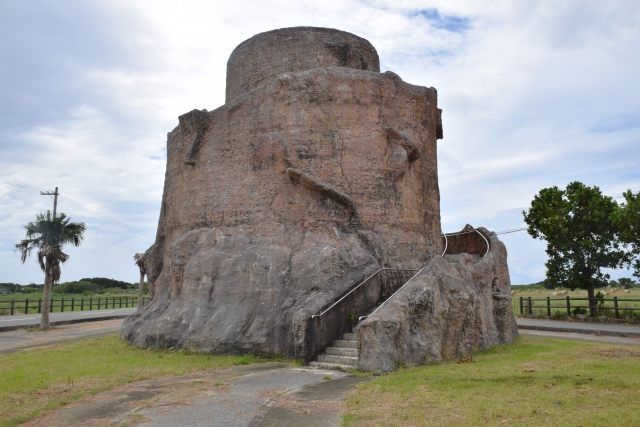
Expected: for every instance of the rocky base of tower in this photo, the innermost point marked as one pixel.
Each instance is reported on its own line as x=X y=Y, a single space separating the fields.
x=459 y=304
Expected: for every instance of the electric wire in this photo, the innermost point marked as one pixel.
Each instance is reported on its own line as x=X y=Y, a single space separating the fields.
x=66 y=200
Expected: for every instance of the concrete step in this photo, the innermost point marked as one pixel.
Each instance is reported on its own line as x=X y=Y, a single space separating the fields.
x=345 y=343
x=334 y=366
x=342 y=351
x=340 y=360
x=349 y=336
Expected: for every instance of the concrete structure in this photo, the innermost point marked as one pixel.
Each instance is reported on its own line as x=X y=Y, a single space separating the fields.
x=317 y=173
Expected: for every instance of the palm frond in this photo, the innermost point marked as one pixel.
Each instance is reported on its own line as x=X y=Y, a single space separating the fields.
x=48 y=235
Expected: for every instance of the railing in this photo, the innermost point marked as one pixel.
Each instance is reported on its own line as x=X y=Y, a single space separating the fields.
x=60 y=305
x=467 y=245
x=355 y=288
x=549 y=306
x=333 y=321
x=338 y=318
x=408 y=281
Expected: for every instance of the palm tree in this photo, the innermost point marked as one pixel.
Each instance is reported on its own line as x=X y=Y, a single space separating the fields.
x=138 y=258
x=48 y=234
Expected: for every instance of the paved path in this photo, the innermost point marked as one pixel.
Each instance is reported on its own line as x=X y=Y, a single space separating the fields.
x=21 y=339
x=608 y=339
x=8 y=323
x=269 y=394
x=611 y=329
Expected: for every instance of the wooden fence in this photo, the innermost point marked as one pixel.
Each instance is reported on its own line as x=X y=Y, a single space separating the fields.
x=571 y=305
x=60 y=305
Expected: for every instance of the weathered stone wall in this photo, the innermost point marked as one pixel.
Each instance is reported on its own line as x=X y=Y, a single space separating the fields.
x=268 y=55
x=458 y=305
x=309 y=178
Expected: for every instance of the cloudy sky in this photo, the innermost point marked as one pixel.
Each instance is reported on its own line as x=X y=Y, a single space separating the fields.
x=534 y=93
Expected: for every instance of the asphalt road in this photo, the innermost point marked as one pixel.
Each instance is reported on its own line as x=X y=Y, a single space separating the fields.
x=612 y=329
x=8 y=323
x=22 y=339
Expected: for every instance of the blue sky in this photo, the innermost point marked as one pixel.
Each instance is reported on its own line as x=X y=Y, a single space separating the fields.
x=534 y=93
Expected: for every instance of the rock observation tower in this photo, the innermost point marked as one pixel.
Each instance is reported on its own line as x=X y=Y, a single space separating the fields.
x=316 y=173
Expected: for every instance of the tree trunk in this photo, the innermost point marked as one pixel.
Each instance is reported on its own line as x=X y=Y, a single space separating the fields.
x=44 y=320
x=141 y=290
x=592 y=301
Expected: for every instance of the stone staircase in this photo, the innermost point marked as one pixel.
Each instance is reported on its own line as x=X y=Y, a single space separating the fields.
x=342 y=354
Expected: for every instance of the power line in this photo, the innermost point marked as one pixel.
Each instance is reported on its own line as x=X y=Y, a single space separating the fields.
x=84 y=211
x=511 y=231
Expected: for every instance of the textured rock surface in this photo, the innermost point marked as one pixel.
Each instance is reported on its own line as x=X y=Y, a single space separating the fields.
x=316 y=172
x=268 y=55
x=459 y=304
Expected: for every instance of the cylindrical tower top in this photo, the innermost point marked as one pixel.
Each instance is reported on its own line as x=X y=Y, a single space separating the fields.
x=267 y=55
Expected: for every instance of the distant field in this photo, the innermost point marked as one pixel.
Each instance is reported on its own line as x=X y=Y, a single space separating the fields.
x=79 y=301
x=558 y=298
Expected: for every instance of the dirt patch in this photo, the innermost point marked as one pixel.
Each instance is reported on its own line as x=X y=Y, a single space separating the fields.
x=618 y=352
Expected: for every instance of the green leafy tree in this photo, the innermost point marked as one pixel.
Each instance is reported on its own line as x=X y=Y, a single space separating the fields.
x=47 y=234
x=628 y=223
x=579 y=226
x=626 y=283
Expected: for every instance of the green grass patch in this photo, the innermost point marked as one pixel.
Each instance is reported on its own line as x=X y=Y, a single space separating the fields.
x=536 y=381
x=36 y=381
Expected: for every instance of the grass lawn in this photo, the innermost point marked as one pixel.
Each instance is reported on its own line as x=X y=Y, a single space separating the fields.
x=537 y=381
x=35 y=381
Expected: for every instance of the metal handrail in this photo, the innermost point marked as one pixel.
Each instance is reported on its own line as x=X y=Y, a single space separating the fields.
x=457 y=233
x=407 y=282
x=446 y=246
x=360 y=284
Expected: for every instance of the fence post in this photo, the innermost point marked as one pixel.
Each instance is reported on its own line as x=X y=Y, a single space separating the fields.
x=73 y=303
x=62 y=305
x=51 y=305
x=120 y=302
x=13 y=306
x=26 y=306
x=39 y=305
x=530 y=308
x=568 y=306
x=98 y=303
x=615 y=307
x=548 y=307
x=81 y=303
x=90 y=303
x=521 y=306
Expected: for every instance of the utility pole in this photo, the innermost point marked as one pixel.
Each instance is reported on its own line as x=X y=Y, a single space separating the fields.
x=55 y=195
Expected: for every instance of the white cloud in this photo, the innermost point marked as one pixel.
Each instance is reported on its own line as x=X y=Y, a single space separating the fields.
x=534 y=94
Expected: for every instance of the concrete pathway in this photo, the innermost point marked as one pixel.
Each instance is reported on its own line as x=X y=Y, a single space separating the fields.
x=10 y=323
x=269 y=394
x=608 y=339
x=612 y=329
x=21 y=339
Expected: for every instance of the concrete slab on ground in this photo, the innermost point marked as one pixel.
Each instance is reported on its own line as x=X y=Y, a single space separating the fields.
x=272 y=394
